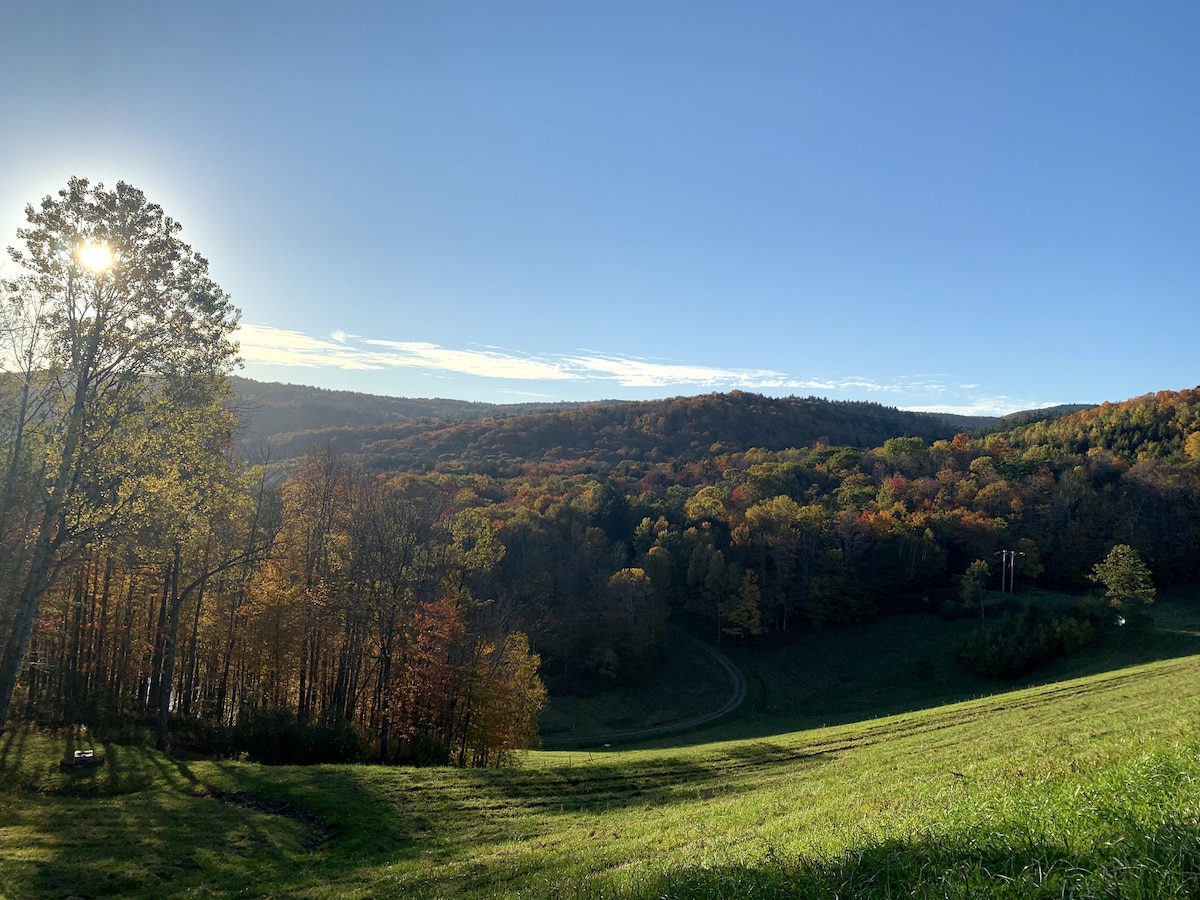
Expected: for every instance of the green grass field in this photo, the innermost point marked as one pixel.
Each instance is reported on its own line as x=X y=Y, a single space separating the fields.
x=1087 y=785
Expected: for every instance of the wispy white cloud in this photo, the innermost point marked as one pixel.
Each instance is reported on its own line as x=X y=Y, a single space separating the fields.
x=484 y=363
x=267 y=345
x=271 y=346
x=632 y=372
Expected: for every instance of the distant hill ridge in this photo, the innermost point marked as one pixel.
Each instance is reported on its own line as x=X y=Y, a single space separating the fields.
x=419 y=435
x=273 y=409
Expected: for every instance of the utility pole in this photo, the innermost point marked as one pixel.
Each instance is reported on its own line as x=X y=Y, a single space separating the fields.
x=1008 y=564
x=1012 y=568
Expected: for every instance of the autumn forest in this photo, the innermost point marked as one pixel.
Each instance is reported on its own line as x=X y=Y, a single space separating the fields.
x=302 y=575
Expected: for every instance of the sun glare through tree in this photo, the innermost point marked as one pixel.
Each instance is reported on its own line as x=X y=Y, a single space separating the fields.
x=96 y=257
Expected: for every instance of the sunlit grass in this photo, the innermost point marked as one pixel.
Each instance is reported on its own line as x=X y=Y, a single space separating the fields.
x=1086 y=788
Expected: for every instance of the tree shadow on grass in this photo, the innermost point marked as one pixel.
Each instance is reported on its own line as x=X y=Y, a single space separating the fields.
x=610 y=785
x=144 y=825
x=12 y=757
x=152 y=843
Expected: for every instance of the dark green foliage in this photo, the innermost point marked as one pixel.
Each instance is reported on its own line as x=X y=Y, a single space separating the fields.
x=924 y=667
x=274 y=737
x=1018 y=643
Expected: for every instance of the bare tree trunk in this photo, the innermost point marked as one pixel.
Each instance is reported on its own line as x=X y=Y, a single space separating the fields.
x=170 y=631
x=37 y=580
x=98 y=675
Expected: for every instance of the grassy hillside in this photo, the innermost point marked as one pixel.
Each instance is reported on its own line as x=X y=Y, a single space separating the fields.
x=1087 y=788
x=841 y=675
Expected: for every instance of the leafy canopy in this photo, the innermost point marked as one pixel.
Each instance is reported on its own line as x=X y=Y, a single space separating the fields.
x=1125 y=577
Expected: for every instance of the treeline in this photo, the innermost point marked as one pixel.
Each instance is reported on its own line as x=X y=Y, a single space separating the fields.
x=150 y=581
x=384 y=615
x=335 y=608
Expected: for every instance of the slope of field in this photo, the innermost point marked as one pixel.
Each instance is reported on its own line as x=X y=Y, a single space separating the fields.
x=695 y=685
x=1084 y=788
x=840 y=675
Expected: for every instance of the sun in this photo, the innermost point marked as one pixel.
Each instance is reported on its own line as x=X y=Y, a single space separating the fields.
x=96 y=257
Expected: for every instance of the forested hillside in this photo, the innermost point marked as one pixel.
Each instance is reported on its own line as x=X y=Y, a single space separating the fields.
x=759 y=543
x=756 y=517
x=294 y=415
x=391 y=435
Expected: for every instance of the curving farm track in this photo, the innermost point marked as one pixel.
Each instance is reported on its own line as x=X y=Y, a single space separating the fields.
x=736 y=696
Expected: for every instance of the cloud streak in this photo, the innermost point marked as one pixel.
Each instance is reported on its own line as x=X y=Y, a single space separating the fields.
x=270 y=346
x=267 y=345
x=482 y=363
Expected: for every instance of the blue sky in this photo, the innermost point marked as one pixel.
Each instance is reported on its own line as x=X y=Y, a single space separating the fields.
x=977 y=207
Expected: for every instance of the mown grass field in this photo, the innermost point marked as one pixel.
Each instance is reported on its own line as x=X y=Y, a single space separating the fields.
x=1084 y=787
